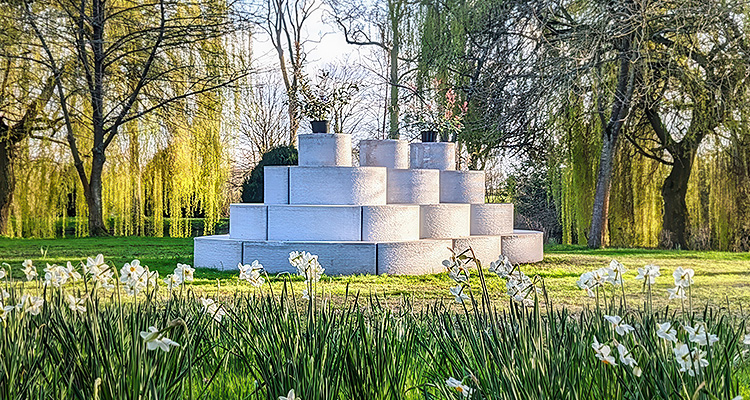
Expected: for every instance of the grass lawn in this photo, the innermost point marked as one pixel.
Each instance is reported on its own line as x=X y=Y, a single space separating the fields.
x=721 y=278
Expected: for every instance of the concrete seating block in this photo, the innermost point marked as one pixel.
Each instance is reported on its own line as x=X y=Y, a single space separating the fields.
x=523 y=247
x=462 y=187
x=218 y=251
x=384 y=153
x=314 y=223
x=443 y=221
x=390 y=222
x=413 y=258
x=325 y=149
x=434 y=155
x=413 y=186
x=486 y=248
x=492 y=219
x=248 y=221
x=276 y=185
x=338 y=258
x=337 y=185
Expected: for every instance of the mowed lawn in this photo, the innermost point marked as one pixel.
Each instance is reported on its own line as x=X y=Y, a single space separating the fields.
x=721 y=278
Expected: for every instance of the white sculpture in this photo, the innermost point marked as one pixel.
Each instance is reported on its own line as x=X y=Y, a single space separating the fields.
x=380 y=217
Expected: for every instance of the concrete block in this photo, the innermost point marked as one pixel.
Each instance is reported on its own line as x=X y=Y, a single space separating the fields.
x=384 y=153
x=219 y=251
x=434 y=155
x=413 y=258
x=325 y=149
x=338 y=258
x=314 y=223
x=393 y=222
x=276 y=185
x=492 y=219
x=523 y=247
x=337 y=185
x=442 y=221
x=486 y=248
x=248 y=221
x=413 y=186
x=462 y=187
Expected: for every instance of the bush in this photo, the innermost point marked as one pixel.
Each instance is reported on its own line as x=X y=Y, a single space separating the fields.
x=252 y=187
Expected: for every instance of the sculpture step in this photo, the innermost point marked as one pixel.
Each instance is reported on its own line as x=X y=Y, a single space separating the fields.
x=337 y=185
x=462 y=187
x=413 y=186
x=325 y=149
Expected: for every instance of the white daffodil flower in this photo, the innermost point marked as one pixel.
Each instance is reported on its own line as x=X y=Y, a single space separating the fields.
x=131 y=271
x=666 y=332
x=688 y=360
x=76 y=304
x=648 y=272
x=586 y=283
x=626 y=358
x=677 y=293
x=700 y=336
x=290 y=396
x=184 y=272
x=456 y=385
x=95 y=266
x=29 y=270
x=3 y=274
x=5 y=294
x=747 y=339
x=683 y=277
x=603 y=352
x=615 y=272
x=172 y=281
x=70 y=270
x=621 y=328
x=5 y=310
x=305 y=293
x=30 y=304
x=55 y=275
x=156 y=340
x=251 y=273
x=307 y=265
x=501 y=267
x=213 y=309
x=458 y=293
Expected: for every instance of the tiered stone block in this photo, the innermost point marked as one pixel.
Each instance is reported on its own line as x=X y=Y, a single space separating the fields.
x=397 y=213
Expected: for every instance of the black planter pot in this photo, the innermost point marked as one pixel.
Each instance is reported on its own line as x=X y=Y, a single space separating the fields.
x=429 y=136
x=319 y=126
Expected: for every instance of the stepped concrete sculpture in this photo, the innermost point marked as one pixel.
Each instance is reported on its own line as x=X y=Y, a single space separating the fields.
x=399 y=212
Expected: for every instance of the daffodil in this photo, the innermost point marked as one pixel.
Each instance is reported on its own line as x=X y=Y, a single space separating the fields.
x=30 y=304
x=172 y=281
x=212 y=308
x=95 y=265
x=307 y=265
x=689 y=361
x=76 y=304
x=678 y=292
x=3 y=274
x=603 y=352
x=156 y=340
x=621 y=328
x=456 y=385
x=131 y=271
x=649 y=273
x=747 y=339
x=251 y=273
x=586 y=283
x=666 y=332
x=290 y=396
x=29 y=270
x=185 y=272
x=615 y=272
x=699 y=335
x=5 y=310
x=626 y=358
x=683 y=277
x=458 y=293
x=502 y=267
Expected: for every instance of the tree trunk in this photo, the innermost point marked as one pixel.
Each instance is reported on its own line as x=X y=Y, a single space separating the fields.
x=395 y=48
x=94 y=196
x=610 y=135
x=674 y=190
x=7 y=184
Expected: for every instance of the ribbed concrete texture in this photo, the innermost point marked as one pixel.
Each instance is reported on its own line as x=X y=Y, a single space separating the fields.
x=384 y=153
x=522 y=247
x=444 y=221
x=325 y=149
x=462 y=187
x=413 y=186
x=337 y=185
x=486 y=248
x=314 y=223
x=248 y=221
x=413 y=258
x=338 y=258
x=276 y=185
x=391 y=222
x=217 y=251
x=492 y=219
x=438 y=155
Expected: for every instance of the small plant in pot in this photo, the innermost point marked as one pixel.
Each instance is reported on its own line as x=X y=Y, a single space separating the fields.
x=324 y=98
